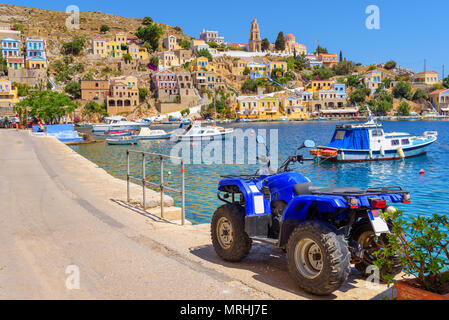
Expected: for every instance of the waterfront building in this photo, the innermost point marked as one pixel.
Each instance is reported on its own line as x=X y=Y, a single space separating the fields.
x=269 y=107
x=94 y=90
x=430 y=78
x=255 y=43
x=8 y=93
x=248 y=106
x=10 y=47
x=440 y=100
x=170 y=43
x=211 y=36
x=123 y=95
x=340 y=89
x=15 y=63
x=294 y=107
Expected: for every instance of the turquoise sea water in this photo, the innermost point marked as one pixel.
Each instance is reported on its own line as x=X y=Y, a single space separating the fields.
x=430 y=192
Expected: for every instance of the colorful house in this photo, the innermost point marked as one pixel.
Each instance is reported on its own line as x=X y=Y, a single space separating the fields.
x=202 y=63
x=36 y=63
x=440 y=100
x=292 y=47
x=133 y=51
x=280 y=66
x=340 y=89
x=428 y=77
x=249 y=106
x=14 y=63
x=8 y=93
x=99 y=47
x=35 y=48
x=328 y=59
x=257 y=70
x=313 y=61
x=269 y=107
x=316 y=85
x=373 y=79
x=10 y=47
x=170 y=43
x=294 y=107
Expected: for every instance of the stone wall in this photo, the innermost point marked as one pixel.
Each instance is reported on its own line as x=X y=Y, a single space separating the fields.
x=33 y=78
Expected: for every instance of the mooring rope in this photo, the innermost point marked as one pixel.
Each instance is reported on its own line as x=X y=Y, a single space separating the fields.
x=442 y=145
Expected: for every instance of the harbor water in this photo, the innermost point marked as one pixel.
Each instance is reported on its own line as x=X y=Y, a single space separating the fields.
x=429 y=191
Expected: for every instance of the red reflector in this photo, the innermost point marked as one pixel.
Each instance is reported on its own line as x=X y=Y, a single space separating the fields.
x=378 y=203
x=406 y=201
x=355 y=207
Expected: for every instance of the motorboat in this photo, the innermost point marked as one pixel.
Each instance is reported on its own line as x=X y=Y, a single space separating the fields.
x=128 y=140
x=120 y=133
x=369 y=142
x=284 y=118
x=196 y=132
x=117 y=123
x=147 y=134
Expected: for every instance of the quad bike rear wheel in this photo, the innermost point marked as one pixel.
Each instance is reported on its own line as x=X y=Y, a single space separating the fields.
x=363 y=233
x=229 y=238
x=318 y=257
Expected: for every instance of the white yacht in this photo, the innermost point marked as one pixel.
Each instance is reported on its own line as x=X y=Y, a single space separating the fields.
x=147 y=134
x=196 y=132
x=116 y=123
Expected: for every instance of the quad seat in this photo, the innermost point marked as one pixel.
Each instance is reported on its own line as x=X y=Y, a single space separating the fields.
x=309 y=188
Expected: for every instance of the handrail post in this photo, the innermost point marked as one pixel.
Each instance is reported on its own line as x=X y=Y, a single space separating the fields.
x=143 y=182
x=182 y=194
x=127 y=176
x=162 y=187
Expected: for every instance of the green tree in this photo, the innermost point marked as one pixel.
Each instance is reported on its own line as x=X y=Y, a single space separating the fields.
x=320 y=49
x=386 y=83
x=249 y=86
x=143 y=93
x=205 y=53
x=403 y=90
x=404 y=108
x=127 y=57
x=74 y=89
x=185 y=112
x=92 y=108
x=104 y=28
x=390 y=65
x=343 y=68
x=213 y=44
x=420 y=94
x=323 y=73
x=48 y=106
x=246 y=71
x=147 y=21
x=265 y=44
x=150 y=34
x=154 y=61
x=358 y=96
x=19 y=27
x=279 y=45
x=185 y=44
x=75 y=46
x=341 y=56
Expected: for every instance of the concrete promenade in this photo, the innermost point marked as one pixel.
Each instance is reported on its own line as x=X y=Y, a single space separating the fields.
x=58 y=209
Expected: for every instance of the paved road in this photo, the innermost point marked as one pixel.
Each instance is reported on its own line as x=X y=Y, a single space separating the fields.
x=48 y=222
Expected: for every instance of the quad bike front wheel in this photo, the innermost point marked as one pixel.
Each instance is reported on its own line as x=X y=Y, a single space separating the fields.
x=363 y=233
x=318 y=257
x=229 y=238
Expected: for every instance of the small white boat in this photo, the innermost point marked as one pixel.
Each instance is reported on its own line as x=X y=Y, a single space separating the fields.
x=196 y=132
x=123 y=140
x=284 y=118
x=117 y=123
x=147 y=134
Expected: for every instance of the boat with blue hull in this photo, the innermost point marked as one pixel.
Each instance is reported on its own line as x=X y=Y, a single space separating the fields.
x=369 y=142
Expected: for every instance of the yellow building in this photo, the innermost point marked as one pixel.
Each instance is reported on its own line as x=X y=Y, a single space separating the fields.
x=316 y=85
x=269 y=107
x=257 y=70
x=249 y=106
x=36 y=63
x=278 y=65
x=294 y=107
x=143 y=54
x=99 y=47
x=202 y=63
x=133 y=51
x=196 y=42
x=8 y=93
x=428 y=77
x=121 y=38
x=238 y=67
x=168 y=59
x=170 y=43
x=373 y=79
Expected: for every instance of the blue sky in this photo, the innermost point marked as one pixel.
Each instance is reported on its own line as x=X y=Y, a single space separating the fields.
x=410 y=31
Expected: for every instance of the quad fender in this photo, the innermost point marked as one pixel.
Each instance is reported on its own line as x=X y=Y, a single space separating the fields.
x=298 y=209
x=255 y=202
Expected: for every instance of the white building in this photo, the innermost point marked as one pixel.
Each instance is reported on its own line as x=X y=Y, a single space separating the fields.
x=209 y=36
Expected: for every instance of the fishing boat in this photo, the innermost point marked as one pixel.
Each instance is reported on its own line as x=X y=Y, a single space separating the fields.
x=147 y=134
x=117 y=123
x=369 y=142
x=120 y=133
x=122 y=140
x=196 y=132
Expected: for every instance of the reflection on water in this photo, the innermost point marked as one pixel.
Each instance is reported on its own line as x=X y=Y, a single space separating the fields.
x=429 y=192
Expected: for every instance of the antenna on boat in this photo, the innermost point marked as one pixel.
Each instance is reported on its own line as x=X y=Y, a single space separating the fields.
x=371 y=119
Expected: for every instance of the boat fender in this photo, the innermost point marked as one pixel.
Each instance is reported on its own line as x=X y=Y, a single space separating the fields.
x=382 y=151
x=401 y=153
x=342 y=155
x=370 y=154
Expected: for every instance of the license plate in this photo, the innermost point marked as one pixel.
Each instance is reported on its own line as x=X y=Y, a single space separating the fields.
x=378 y=223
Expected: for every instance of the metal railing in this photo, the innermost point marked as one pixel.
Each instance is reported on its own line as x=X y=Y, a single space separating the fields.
x=161 y=185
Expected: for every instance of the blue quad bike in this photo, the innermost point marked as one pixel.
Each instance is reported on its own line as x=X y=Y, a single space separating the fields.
x=322 y=230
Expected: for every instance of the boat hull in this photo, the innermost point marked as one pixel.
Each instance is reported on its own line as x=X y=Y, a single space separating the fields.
x=113 y=141
x=155 y=137
x=204 y=137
